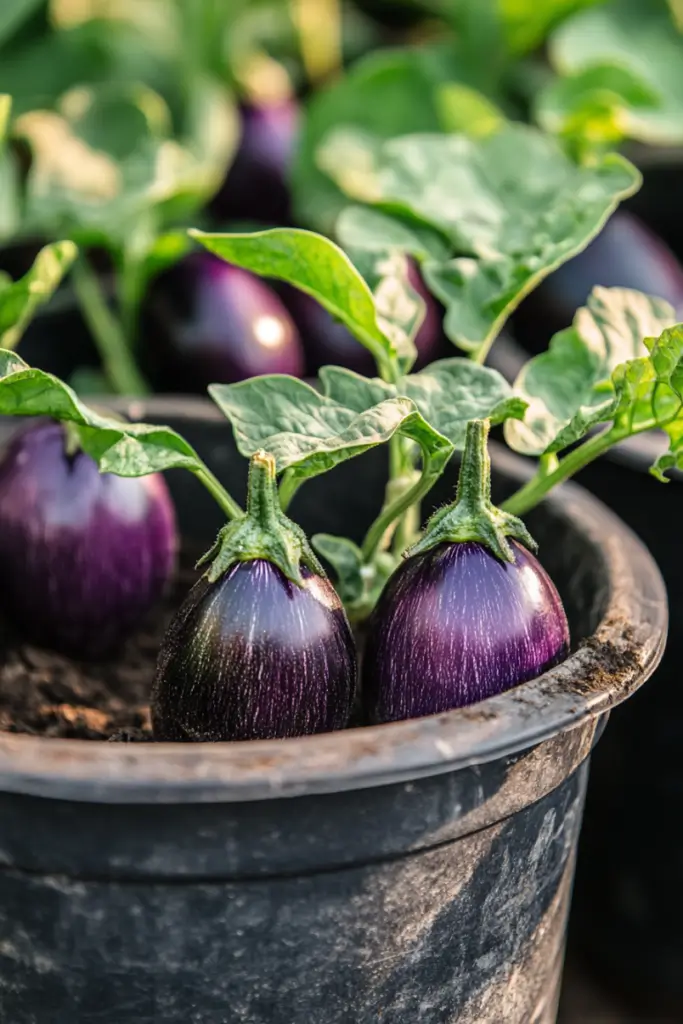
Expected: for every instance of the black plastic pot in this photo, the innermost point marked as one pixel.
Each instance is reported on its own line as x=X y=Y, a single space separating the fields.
x=419 y=871
x=627 y=911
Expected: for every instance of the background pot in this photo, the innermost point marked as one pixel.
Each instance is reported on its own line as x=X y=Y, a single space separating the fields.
x=415 y=871
x=627 y=912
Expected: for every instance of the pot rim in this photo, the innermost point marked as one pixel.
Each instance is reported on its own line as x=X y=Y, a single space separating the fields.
x=632 y=634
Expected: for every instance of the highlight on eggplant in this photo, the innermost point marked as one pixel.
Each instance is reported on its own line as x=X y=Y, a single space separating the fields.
x=469 y=614
x=83 y=555
x=207 y=322
x=261 y=648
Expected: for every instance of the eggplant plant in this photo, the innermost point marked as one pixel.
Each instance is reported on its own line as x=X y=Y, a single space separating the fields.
x=450 y=613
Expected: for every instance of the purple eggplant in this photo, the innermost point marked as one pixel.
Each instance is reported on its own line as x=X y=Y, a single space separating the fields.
x=326 y=340
x=469 y=614
x=207 y=322
x=261 y=647
x=456 y=625
x=83 y=555
x=626 y=254
x=257 y=185
x=255 y=656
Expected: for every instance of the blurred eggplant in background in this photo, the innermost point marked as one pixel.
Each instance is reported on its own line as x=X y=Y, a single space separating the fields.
x=207 y=322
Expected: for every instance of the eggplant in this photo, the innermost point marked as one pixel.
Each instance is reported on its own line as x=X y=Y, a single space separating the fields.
x=469 y=614
x=83 y=555
x=327 y=340
x=207 y=322
x=261 y=647
x=257 y=185
x=626 y=254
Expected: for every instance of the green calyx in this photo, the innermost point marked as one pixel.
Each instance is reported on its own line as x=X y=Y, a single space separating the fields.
x=473 y=516
x=263 y=531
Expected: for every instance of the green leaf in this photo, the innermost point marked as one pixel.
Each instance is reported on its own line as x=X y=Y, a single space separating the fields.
x=601 y=104
x=640 y=39
x=649 y=394
x=358 y=583
x=385 y=94
x=309 y=433
x=466 y=110
x=127 y=449
x=526 y=23
x=106 y=159
x=13 y=13
x=512 y=206
x=346 y=558
x=363 y=227
x=315 y=265
x=569 y=388
x=448 y=394
x=20 y=301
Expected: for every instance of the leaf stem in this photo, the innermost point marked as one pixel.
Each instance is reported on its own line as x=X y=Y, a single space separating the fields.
x=216 y=489
x=289 y=485
x=398 y=506
x=117 y=360
x=542 y=482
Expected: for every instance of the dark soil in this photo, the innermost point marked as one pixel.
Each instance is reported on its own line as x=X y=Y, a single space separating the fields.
x=47 y=694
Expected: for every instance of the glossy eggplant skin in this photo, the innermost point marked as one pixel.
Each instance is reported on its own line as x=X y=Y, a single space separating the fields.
x=83 y=555
x=257 y=185
x=255 y=656
x=206 y=322
x=456 y=625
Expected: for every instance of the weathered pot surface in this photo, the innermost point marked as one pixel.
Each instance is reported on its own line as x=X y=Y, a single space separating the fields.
x=415 y=871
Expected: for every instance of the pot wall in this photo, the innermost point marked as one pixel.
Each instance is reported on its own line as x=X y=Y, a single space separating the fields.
x=421 y=874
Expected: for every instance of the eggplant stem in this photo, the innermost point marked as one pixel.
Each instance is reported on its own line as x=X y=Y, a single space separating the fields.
x=473 y=516
x=107 y=332
x=397 y=507
x=535 y=489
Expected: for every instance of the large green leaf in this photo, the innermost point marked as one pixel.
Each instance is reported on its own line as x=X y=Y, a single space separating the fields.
x=309 y=433
x=13 y=13
x=106 y=158
x=513 y=207
x=127 y=449
x=316 y=266
x=526 y=23
x=386 y=94
x=19 y=301
x=569 y=388
x=639 y=38
x=601 y=104
x=447 y=394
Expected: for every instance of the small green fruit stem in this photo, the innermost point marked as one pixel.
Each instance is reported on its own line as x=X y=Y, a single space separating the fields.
x=472 y=516
x=262 y=497
x=117 y=359
x=264 y=532
x=474 y=479
x=542 y=482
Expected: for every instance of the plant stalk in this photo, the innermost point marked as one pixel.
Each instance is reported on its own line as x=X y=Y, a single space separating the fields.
x=396 y=508
x=542 y=482
x=117 y=359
